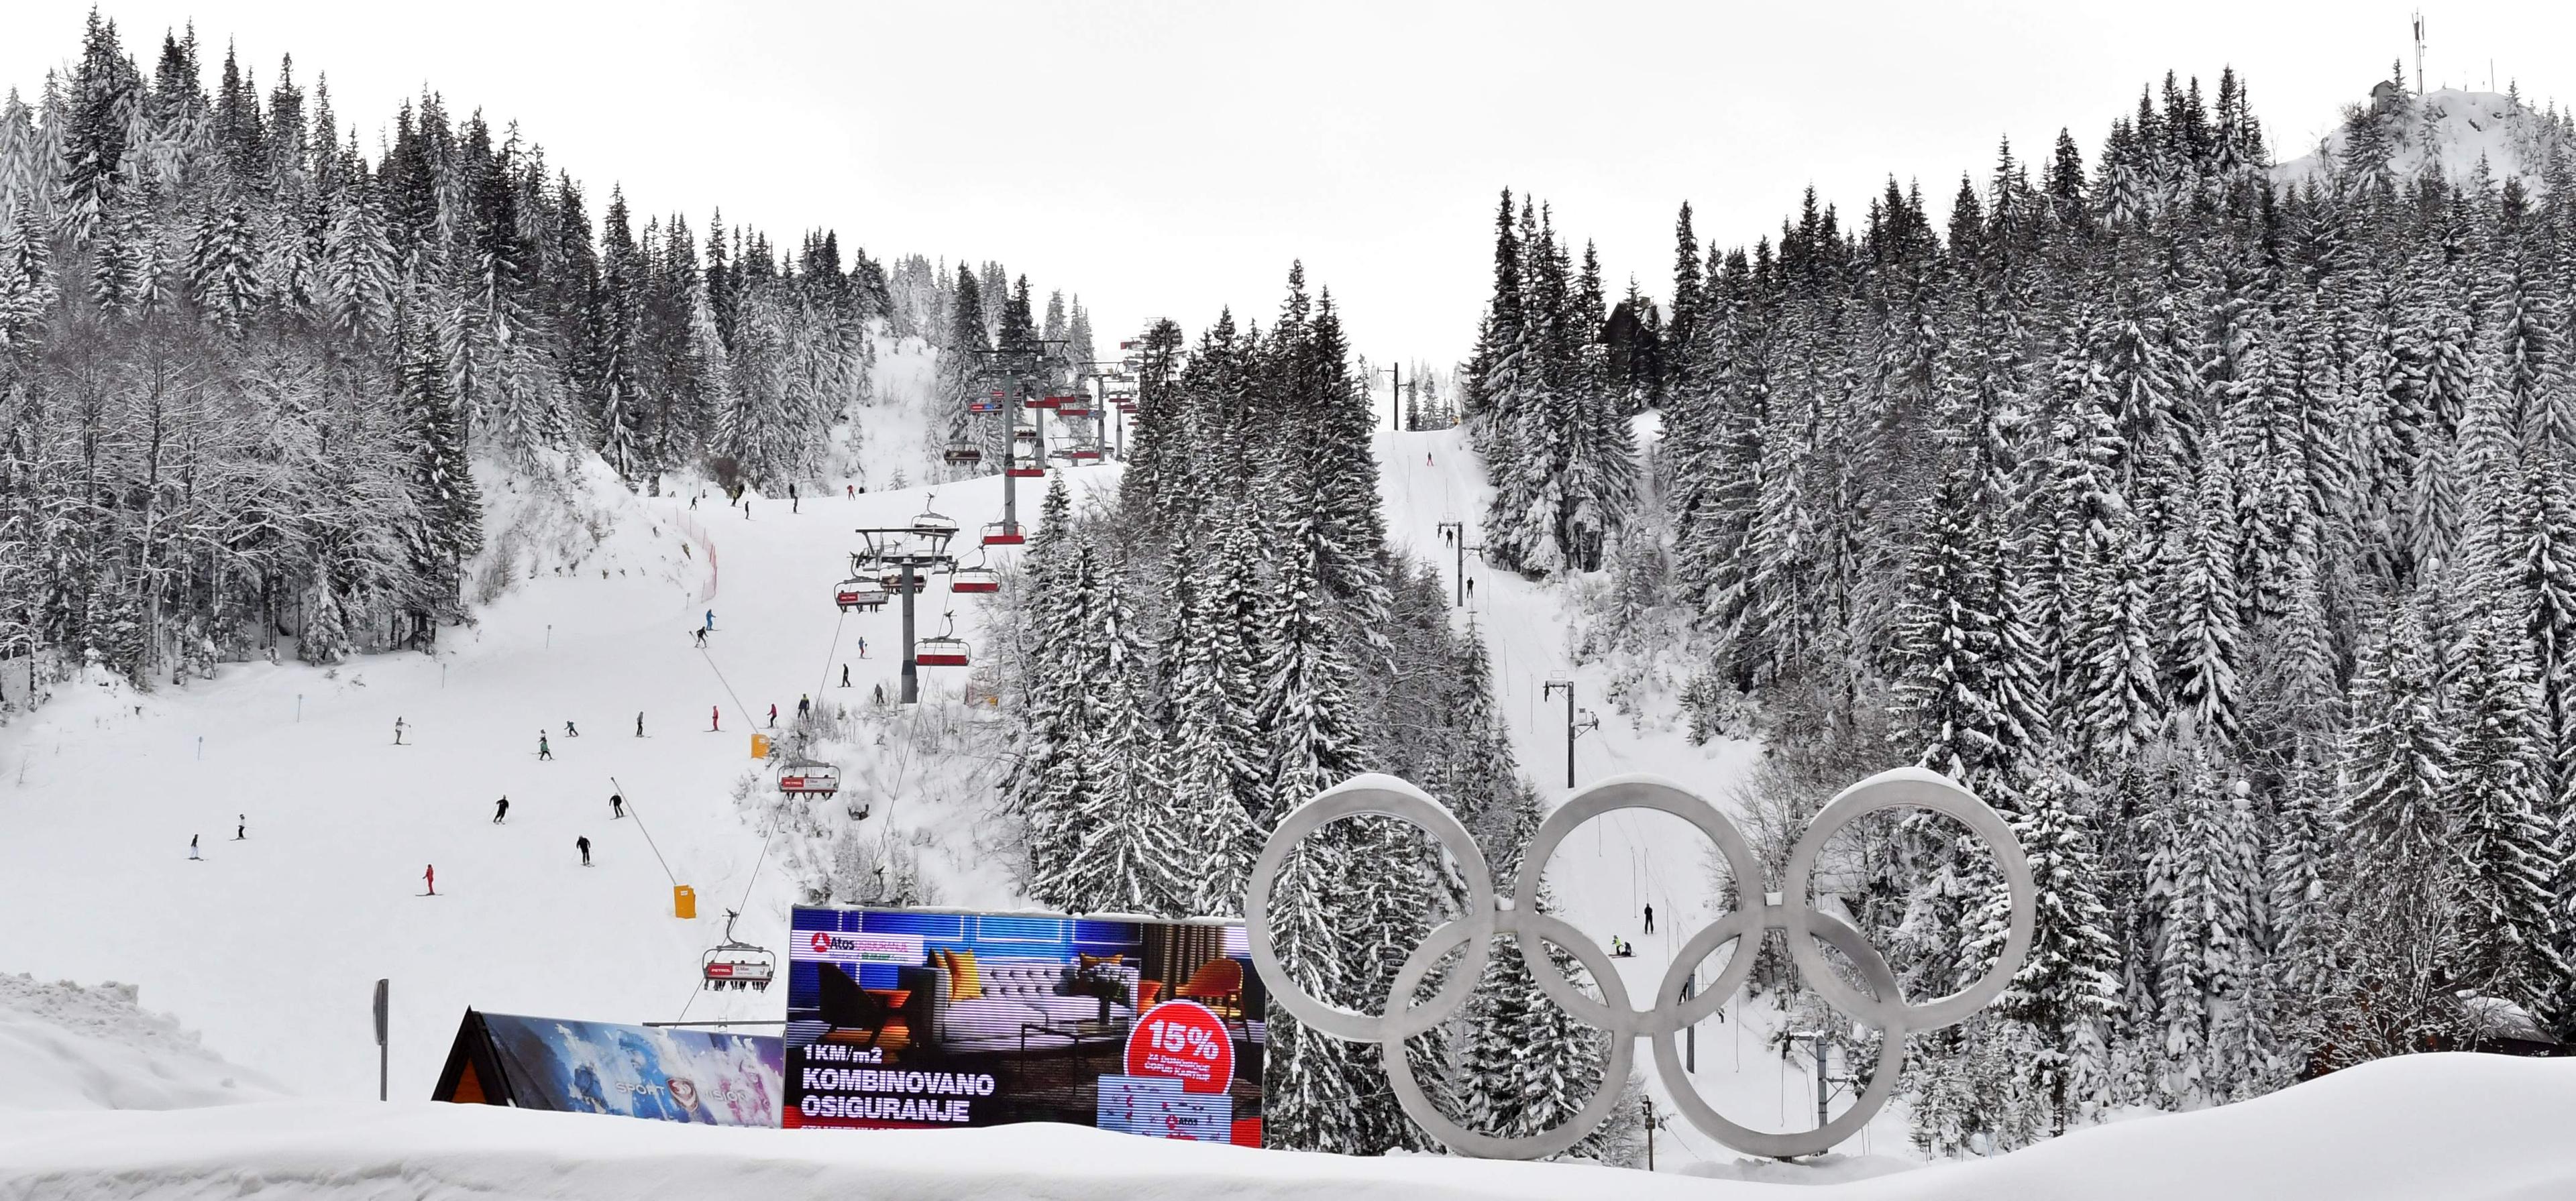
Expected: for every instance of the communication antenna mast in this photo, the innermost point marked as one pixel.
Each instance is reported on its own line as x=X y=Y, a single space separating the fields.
x=2419 y=52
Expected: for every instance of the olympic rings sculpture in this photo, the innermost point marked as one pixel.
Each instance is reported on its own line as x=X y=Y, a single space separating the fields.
x=1882 y=1006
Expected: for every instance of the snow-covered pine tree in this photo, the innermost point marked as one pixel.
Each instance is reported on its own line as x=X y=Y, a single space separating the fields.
x=1130 y=857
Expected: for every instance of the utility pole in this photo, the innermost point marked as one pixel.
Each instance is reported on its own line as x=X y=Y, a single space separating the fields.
x=384 y=1052
x=2420 y=52
x=1650 y=1129
x=1455 y=534
x=1690 y=1033
x=1395 y=398
x=1573 y=727
x=1825 y=1080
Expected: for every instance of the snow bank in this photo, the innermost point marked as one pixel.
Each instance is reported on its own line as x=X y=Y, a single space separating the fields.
x=2433 y=1126
x=63 y=1046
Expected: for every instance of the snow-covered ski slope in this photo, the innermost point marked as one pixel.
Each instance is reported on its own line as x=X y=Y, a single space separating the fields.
x=1609 y=871
x=2453 y=1127
x=271 y=946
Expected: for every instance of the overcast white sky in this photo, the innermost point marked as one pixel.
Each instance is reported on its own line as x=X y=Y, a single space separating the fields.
x=1164 y=159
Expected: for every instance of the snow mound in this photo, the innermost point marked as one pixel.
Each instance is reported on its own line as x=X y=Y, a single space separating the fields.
x=2450 y=1126
x=65 y=1046
x=2449 y=131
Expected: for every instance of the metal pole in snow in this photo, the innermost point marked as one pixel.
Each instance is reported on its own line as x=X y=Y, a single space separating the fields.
x=911 y=669
x=384 y=1055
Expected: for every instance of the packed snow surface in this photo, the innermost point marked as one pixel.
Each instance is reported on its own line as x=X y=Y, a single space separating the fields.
x=65 y=1046
x=2458 y=1127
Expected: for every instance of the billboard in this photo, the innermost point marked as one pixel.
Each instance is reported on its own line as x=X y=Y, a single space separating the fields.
x=920 y=1018
x=702 y=1076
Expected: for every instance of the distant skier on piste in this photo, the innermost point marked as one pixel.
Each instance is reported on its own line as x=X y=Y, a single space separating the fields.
x=501 y=811
x=431 y=877
x=570 y=732
x=616 y=806
x=543 y=751
x=715 y=718
x=583 y=842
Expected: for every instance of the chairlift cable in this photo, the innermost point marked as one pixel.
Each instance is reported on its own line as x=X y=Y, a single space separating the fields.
x=638 y=815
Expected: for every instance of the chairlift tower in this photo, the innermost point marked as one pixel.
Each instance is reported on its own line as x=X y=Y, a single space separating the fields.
x=1105 y=372
x=1455 y=534
x=910 y=552
x=1013 y=366
x=1575 y=726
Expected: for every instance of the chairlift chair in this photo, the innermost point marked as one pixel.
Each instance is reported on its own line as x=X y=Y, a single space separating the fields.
x=809 y=779
x=1083 y=453
x=1040 y=402
x=856 y=593
x=964 y=452
x=1001 y=534
x=1079 y=409
x=934 y=525
x=977 y=578
x=736 y=963
x=943 y=649
x=1023 y=470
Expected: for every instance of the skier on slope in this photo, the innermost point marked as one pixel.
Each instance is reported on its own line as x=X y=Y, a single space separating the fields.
x=241 y=828
x=711 y=619
x=773 y=715
x=845 y=675
x=701 y=636
x=715 y=718
x=431 y=876
x=192 y=849
x=544 y=752
x=583 y=842
x=804 y=705
x=570 y=732
x=398 y=731
x=501 y=811
x=616 y=806
x=639 y=724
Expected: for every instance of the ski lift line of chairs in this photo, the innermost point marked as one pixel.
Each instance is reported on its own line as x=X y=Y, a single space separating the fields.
x=944 y=649
x=1003 y=534
x=1040 y=402
x=737 y=964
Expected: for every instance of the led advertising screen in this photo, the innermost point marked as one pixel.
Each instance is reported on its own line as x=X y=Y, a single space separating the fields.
x=702 y=1076
x=920 y=1018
